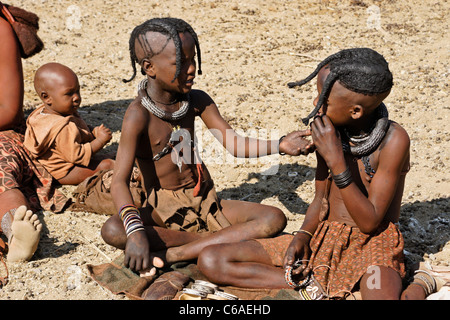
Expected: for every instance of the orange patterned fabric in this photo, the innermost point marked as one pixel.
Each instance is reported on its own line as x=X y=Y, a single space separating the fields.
x=18 y=170
x=341 y=254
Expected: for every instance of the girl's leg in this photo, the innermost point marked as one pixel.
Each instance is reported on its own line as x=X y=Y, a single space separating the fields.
x=243 y=264
x=78 y=174
x=113 y=233
x=381 y=283
x=248 y=221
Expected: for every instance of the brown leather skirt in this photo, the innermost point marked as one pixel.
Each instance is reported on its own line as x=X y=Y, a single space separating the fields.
x=180 y=210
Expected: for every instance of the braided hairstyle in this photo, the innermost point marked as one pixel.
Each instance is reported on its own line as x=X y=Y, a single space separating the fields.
x=171 y=27
x=361 y=70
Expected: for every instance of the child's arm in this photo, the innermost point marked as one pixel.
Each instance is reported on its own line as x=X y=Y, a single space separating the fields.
x=246 y=147
x=132 y=128
x=11 y=78
x=299 y=248
x=366 y=212
x=137 y=250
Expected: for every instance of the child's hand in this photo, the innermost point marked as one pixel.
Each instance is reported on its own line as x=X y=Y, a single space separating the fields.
x=327 y=140
x=298 y=250
x=295 y=144
x=102 y=133
x=137 y=252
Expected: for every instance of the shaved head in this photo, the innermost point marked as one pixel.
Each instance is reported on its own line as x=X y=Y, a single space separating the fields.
x=50 y=75
x=150 y=44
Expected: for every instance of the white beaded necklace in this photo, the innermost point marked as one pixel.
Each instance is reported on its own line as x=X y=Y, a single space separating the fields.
x=148 y=103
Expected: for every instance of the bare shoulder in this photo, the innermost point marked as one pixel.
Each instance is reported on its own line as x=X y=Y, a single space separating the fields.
x=136 y=115
x=200 y=99
x=136 y=108
x=8 y=38
x=396 y=137
x=5 y=27
x=395 y=146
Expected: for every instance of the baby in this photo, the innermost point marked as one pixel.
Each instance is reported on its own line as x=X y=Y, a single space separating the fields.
x=57 y=136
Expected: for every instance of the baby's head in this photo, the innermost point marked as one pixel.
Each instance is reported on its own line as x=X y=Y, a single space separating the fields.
x=151 y=37
x=58 y=88
x=358 y=76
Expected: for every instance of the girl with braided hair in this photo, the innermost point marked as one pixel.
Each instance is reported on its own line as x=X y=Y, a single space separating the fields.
x=349 y=239
x=181 y=195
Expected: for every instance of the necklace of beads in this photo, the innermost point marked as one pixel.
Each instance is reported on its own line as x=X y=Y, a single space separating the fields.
x=148 y=103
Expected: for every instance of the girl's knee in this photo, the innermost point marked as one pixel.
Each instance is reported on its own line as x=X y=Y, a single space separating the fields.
x=113 y=232
x=106 y=164
x=274 y=220
x=210 y=261
x=380 y=283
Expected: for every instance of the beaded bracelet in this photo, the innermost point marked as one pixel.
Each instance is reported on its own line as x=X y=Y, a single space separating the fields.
x=288 y=276
x=129 y=214
x=342 y=179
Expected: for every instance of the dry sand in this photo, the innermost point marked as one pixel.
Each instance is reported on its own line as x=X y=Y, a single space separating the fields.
x=250 y=50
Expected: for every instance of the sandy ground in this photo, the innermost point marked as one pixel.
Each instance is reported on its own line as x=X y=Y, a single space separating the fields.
x=250 y=50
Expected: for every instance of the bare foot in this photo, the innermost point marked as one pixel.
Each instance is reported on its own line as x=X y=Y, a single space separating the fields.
x=25 y=233
x=157 y=263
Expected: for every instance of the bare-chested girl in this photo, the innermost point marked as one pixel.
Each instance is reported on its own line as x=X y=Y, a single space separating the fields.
x=349 y=239
x=181 y=194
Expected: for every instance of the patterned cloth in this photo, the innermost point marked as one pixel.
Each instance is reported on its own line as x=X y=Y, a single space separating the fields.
x=18 y=170
x=341 y=254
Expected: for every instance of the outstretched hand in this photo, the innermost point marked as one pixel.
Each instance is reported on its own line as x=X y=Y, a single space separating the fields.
x=295 y=144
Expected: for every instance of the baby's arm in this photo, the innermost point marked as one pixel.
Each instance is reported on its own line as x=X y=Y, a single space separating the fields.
x=102 y=136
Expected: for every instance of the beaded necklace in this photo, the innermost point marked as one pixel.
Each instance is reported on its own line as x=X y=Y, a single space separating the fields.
x=148 y=103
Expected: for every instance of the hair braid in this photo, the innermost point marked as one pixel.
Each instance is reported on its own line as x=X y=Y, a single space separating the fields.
x=171 y=27
x=360 y=70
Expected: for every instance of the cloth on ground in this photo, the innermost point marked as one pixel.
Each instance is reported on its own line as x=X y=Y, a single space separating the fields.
x=118 y=279
x=19 y=170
